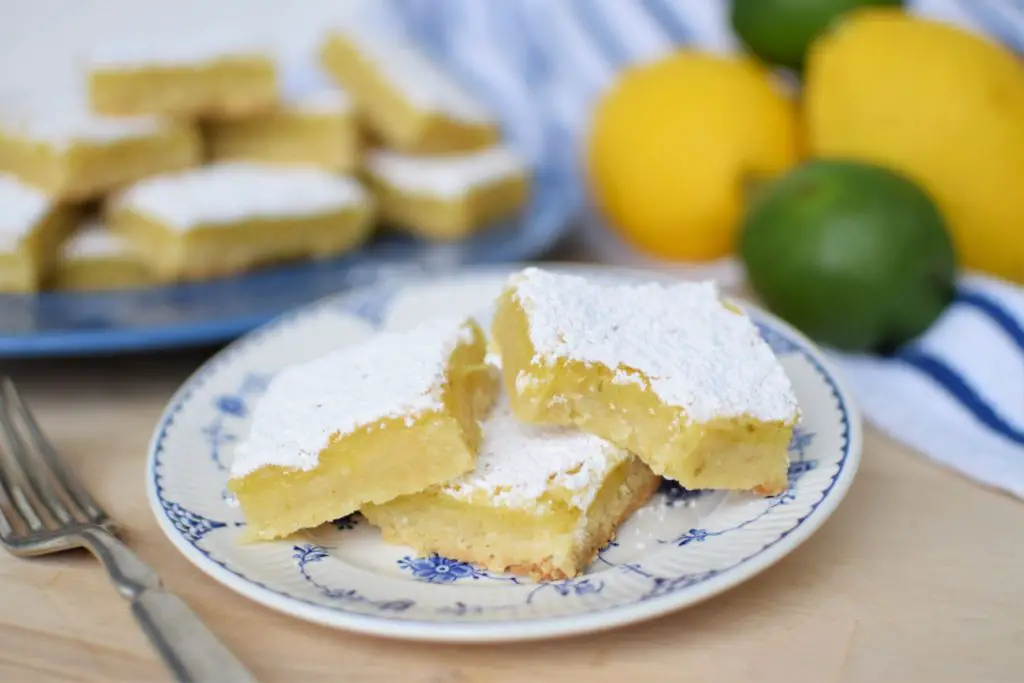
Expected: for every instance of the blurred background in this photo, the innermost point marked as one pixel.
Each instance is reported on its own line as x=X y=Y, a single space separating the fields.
x=856 y=166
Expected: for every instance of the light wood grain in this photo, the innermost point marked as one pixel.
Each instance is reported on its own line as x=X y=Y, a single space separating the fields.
x=919 y=576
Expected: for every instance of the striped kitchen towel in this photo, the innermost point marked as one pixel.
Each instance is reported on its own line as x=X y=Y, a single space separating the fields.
x=956 y=394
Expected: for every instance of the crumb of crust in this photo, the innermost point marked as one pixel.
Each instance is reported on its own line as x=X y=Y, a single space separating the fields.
x=763 y=490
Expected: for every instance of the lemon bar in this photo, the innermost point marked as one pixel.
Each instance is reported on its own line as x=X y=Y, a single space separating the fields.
x=94 y=258
x=225 y=218
x=669 y=372
x=366 y=424
x=407 y=100
x=31 y=231
x=447 y=197
x=76 y=157
x=318 y=128
x=541 y=502
x=184 y=76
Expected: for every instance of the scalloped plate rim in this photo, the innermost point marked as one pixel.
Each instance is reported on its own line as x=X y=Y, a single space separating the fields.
x=526 y=629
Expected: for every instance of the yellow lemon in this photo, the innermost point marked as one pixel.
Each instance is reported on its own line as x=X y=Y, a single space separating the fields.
x=673 y=144
x=940 y=104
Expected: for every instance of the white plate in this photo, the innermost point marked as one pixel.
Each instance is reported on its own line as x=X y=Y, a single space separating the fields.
x=683 y=547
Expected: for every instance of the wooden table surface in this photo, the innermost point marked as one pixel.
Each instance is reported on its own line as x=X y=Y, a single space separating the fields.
x=919 y=576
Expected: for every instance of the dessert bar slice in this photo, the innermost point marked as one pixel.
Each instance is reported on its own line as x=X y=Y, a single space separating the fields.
x=31 y=231
x=409 y=102
x=447 y=197
x=78 y=157
x=225 y=218
x=541 y=502
x=184 y=76
x=94 y=258
x=317 y=127
x=669 y=372
x=390 y=417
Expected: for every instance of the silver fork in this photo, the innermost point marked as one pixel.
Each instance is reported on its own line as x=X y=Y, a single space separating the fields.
x=44 y=509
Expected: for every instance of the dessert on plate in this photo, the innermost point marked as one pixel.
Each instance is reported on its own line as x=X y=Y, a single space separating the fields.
x=206 y=76
x=32 y=228
x=313 y=125
x=73 y=156
x=394 y=415
x=408 y=102
x=541 y=501
x=447 y=196
x=669 y=372
x=94 y=258
x=225 y=218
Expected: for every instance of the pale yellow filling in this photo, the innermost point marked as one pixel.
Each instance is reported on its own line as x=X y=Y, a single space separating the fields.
x=228 y=87
x=727 y=453
x=101 y=273
x=86 y=169
x=377 y=462
x=30 y=266
x=449 y=218
x=211 y=251
x=326 y=140
x=390 y=115
x=549 y=540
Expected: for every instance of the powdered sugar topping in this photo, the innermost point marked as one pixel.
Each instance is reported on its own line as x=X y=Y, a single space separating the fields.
x=93 y=240
x=447 y=175
x=392 y=375
x=176 y=50
x=519 y=463
x=694 y=352
x=225 y=193
x=67 y=121
x=326 y=101
x=307 y=89
x=21 y=209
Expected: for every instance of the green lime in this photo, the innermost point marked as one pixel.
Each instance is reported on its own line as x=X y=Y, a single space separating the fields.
x=779 y=31
x=855 y=255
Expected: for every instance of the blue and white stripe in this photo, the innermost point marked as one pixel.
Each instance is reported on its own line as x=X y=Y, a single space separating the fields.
x=956 y=394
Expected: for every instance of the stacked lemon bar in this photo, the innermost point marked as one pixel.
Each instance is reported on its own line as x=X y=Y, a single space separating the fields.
x=529 y=459
x=219 y=152
x=436 y=162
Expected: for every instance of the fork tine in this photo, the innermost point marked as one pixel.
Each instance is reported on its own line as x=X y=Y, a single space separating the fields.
x=18 y=454
x=6 y=528
x=66 y=480
x=12 y=476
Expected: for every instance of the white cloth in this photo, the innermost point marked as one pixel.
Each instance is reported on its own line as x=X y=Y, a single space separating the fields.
x=957 y=394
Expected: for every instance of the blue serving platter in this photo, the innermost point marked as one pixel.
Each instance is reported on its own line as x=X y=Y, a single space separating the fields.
x=216 y=311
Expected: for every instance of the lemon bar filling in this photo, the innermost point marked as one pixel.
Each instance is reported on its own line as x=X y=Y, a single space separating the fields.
x=94 y=258
x=392 y=416
x=541 y=501
x=229 y=216
x=668 y=372
x=72 y=154
x=407 y=99
x=31 y=230
x=213 y=73
x=315 y=125
x=447 y=195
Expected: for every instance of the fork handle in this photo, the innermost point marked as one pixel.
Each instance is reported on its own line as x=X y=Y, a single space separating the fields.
x=186 y=645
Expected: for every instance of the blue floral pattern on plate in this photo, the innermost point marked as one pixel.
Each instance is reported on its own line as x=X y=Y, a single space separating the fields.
x=684 y=546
